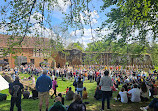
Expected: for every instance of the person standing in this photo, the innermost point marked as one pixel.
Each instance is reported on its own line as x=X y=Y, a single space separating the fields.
x=79 y=87
x=16 y=89
x=43 y=85
x=90 y=75
x=13 y=77
x=106 y=84
x=55 y=85
x=33 y=80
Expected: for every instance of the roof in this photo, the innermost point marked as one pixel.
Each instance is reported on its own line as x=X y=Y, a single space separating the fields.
x=28 y=42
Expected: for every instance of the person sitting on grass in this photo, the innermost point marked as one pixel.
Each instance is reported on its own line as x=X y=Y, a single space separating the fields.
x=153 y=104
x=69 y=94
x=34 y=93
x=144 y=92
x=135 y=94
x=123 y=95
x=77 y=105
x=57 y=106
x=125 y=86
x=62 y=98
x=3 y=97
x=98 y=92
x=85 y=94
x=26 y=93
x=67 y=89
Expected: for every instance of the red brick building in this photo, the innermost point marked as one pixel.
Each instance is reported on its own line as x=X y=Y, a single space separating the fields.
x=77 y=57
x=36 y=50
x=31 y=51
x=72 y=57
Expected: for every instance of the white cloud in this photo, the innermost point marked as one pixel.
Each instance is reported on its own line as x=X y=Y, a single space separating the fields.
x=42 y=31
x=3 y=30
x=47 y=33
x=36 y=17
x=60 y=5
x=87 y=36
x=94 y=21
x=85 y=17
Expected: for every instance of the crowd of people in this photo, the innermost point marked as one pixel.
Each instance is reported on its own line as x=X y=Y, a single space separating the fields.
x=132 y=83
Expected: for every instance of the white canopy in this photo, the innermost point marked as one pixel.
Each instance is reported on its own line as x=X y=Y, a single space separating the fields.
x=3 y=84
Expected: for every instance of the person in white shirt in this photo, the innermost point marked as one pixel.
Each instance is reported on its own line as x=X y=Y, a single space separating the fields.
x=53 y=77
x=123 y=95
x=135 y=94
x=33 y=80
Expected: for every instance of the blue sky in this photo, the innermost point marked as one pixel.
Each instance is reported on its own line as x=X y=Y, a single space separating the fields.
x=57 y=18
x=96 y=16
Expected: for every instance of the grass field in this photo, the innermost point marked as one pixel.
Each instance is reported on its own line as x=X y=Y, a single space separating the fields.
x=94 y=105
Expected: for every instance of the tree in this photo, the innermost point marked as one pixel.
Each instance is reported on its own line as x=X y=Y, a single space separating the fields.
x=125 y=20
x=131 y=17
x=128 y=17
x=121 y=52
x=154 y=53
x=76 y=45
x=16 y=15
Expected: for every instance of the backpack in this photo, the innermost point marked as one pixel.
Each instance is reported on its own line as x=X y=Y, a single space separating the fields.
x=80 y=84
x=16 y=90
x=75 y=83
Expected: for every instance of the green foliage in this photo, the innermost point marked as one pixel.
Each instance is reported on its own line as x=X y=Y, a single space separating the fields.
x=76 y=45
x=120 y=50
x=125 y=20
x=154 y=53
x=132 y=15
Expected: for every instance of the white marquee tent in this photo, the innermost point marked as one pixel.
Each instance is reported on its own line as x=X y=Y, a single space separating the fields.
x=3 y=84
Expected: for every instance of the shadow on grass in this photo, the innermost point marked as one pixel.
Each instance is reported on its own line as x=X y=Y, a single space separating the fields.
x=5 y=105
x=94 y=105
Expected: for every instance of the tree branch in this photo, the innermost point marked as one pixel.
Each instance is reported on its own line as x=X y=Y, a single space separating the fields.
x=22 y=16
x=28 y=22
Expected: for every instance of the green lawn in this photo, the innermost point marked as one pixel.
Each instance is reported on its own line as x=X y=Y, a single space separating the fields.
x=32 y=105
x=156 y=67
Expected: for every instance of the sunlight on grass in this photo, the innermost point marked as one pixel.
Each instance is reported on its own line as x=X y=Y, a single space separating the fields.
x=94 y=105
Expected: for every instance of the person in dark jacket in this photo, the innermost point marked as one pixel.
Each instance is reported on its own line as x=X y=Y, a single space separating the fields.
x=16 y=90
x=98 y=94
x=62 y=98
x=3 y=97
x=34 y=94
x=26 y=94
x=69 y=94
x=77 y=105
x=79 y=87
